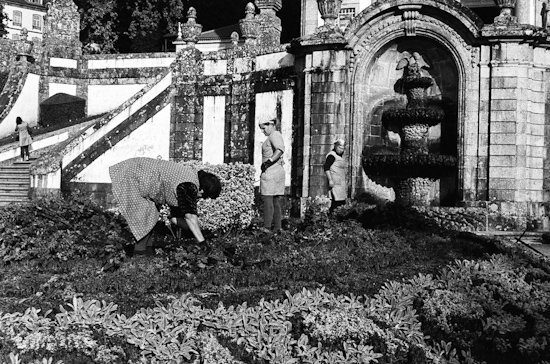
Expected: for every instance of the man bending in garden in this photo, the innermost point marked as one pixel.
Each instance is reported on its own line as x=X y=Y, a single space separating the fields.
x=140 y=184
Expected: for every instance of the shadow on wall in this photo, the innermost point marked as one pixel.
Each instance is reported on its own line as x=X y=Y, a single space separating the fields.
x=61 y=108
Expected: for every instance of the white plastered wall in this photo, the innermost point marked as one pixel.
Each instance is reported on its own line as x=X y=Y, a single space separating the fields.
x=104 y=98
x=213 y=130
x=149 y=140
x=56 y=88
x=26 y=106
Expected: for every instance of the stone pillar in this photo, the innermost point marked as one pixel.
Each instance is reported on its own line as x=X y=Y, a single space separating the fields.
x=516 y=144
x=270 y=24
x=328 y=121
x=477 y=155
x=310 y=17
x=524 y=12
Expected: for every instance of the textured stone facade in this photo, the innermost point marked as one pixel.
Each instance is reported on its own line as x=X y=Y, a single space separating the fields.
x=491 y=79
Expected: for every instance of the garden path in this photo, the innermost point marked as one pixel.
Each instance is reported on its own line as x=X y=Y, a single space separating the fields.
x=531 y=239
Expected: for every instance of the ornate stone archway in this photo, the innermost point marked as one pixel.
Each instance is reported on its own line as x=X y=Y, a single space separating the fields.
x=447 y=33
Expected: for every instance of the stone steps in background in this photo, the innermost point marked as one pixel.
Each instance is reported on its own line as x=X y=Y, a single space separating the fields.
x=14 y=183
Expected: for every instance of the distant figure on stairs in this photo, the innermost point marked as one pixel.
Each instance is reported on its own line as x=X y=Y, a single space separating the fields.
x=24 y=137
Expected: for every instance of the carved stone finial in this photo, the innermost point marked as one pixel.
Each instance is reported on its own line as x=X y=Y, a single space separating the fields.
x=191 y=30
x=23 y=34
x=329 y=10
x=235 y=39
x=191 y=15
x=180 y=35
x=250 y=26
x=250 y=11
x=24 y=46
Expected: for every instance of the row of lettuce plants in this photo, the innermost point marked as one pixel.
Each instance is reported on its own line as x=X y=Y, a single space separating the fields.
x=491 y=311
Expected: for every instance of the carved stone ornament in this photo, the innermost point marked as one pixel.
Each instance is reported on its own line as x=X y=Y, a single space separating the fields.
x=62 y=21
x=24 y=46
x=250 y=26
x=191 y=30
x=329 y=10
x=505 y=18
x=269 y=5
x=234 y=39
x=411 y=14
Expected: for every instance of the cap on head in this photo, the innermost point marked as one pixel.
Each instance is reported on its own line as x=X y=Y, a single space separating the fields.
x=340 y=142
x=268 y=122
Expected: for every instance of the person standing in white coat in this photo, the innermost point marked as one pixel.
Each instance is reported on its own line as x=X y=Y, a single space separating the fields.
x=25 y=138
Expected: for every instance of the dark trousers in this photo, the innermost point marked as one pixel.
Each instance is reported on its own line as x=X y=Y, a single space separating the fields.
x=144 y=242
x=273 y=215
x=24 y=151
x=335 y=204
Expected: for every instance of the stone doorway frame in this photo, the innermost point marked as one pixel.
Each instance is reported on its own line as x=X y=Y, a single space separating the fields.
x=380 y=24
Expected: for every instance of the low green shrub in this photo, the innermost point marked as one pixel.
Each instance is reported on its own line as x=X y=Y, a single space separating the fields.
x=235 y=205
x=52 y=229
x=498 y=309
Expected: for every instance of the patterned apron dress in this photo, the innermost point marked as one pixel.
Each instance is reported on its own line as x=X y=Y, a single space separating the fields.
x=141 y=183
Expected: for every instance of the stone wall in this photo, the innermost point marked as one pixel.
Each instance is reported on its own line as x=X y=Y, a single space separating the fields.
x=328 y=122
x=517 y=130
x=202 y=106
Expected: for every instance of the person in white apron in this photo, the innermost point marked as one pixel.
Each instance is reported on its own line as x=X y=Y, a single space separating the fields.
x=336 y=168
x=272 y=179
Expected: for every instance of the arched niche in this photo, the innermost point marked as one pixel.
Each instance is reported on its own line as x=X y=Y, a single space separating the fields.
x=378 y=39
x=383 y=90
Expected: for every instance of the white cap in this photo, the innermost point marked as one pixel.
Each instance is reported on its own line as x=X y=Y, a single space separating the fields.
x=340 y=142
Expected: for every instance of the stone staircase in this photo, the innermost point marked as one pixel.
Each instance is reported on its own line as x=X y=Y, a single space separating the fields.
x=14 y=183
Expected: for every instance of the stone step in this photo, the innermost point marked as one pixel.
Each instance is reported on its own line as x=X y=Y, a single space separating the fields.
x=14 y=188
x=6 y=201
x=14 y=183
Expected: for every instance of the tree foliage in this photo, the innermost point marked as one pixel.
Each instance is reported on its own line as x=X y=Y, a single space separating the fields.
x=111 y=26
x=3 y=21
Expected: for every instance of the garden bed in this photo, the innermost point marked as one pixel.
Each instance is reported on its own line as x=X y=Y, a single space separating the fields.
x=323 y=289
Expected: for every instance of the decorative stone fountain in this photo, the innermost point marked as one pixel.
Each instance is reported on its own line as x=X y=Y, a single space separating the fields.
x=414 y=170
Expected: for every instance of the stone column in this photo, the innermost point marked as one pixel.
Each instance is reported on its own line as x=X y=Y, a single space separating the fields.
x=270 y=24
x=310 y=17
x=517 y=118
x=524 y=9
x=328 y=122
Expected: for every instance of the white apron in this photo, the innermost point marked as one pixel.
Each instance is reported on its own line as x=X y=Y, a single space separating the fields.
x=338 y=171
x=272 y=181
